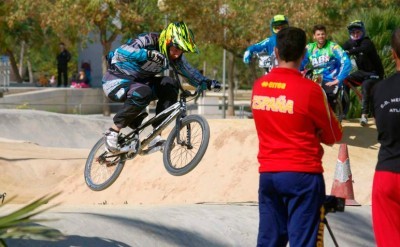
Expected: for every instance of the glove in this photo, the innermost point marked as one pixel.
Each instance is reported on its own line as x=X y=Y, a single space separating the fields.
x=213 y=84
x=247 y=57
x=157 y=57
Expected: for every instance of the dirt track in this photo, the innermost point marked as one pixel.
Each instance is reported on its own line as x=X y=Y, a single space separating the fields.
x=227 y=173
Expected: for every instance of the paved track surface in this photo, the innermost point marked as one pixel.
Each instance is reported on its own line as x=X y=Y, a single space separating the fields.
x=214 y=225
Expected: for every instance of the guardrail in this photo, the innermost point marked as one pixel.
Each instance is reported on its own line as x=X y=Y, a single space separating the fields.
x=210 y=110
x=4 y=74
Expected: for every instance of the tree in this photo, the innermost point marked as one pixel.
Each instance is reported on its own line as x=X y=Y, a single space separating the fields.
x=108 y=19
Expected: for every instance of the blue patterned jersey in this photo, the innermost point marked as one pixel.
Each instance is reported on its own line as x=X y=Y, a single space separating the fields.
x=265 y=46
x=131 y=59
x=331 y=61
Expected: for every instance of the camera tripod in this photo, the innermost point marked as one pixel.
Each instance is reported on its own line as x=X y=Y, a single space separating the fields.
x=325 y=221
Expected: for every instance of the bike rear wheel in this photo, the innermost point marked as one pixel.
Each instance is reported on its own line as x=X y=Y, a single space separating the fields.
x=342 y=101
x=183 y=155
x=102 y=167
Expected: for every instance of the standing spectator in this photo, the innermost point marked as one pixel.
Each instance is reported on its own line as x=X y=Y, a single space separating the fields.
x=267 y=45
x=62 y=65
x=385 y=188
x=290 y=127
x=369 y=64
x=328 y=60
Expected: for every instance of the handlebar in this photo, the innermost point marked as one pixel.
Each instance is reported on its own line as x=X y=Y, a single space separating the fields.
x=187 y=93
x=265 y=61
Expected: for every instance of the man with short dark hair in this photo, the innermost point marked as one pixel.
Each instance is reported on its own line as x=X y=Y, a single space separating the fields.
x=385 y=188
x=292 y=118
x=328 y=60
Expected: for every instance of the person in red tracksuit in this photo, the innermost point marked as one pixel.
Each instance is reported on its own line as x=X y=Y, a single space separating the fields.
x=292 y=118
x=386 y=184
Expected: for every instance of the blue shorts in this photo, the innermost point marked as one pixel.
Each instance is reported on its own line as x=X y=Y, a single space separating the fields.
x=290 y=209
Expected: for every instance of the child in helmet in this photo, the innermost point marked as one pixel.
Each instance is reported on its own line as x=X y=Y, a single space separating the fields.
x=277 y=23
x=131 y=76
x=370 y=68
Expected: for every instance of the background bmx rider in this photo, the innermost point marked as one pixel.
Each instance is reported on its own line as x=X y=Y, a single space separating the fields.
x=369 y=64
x=329 y=60
x=132 y=78
x=267 y=45
x=290 y=127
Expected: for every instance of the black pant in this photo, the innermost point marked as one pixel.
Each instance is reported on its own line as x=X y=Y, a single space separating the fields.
x=331 y=94
x=62 y=73
x=368 y=81
x=140 y=94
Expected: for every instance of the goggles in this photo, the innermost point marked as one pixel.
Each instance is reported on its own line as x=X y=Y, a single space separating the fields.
x=277 y=28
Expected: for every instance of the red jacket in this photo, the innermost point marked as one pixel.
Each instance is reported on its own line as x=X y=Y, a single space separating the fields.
x=292 y=118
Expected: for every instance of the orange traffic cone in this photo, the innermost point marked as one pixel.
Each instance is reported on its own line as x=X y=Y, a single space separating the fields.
x=343 y=183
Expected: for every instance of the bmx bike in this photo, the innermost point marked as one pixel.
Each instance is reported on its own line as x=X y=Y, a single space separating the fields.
x=342 y=97
x=184 y=148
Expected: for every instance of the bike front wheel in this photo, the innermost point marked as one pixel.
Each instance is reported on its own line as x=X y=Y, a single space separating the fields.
x=102 y=167
x=185 y=147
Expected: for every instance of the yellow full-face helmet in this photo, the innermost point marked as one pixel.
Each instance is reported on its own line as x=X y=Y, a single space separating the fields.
x=179 y=35
x=278 y=22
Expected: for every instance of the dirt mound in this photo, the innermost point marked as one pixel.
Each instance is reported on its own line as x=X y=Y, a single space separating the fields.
x=227 y=173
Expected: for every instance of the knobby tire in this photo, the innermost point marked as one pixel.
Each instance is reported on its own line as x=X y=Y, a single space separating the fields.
x=178 y=158
x=102 y=168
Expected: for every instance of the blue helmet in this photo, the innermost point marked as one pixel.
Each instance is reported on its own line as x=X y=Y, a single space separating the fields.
x=278 y=20
x=356 y=25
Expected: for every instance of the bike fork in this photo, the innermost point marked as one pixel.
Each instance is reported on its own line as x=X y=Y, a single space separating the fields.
x=187 y=141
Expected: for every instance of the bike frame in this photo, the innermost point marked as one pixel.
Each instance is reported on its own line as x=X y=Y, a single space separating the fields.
x=349 y=83
x=176 y=111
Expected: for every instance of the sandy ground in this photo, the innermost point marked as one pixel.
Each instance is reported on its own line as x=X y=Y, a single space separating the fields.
x=227 y=173
x=214 y=205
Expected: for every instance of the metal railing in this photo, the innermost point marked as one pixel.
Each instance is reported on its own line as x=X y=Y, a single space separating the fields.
x=4 y=73
x=208 y=110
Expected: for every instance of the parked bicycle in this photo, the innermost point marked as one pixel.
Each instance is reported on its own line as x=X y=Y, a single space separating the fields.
x=184 y=148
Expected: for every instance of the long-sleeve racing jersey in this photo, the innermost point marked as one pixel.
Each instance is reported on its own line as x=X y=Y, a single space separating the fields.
x=265 y=46
x=331 y=61
x=131 y=59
